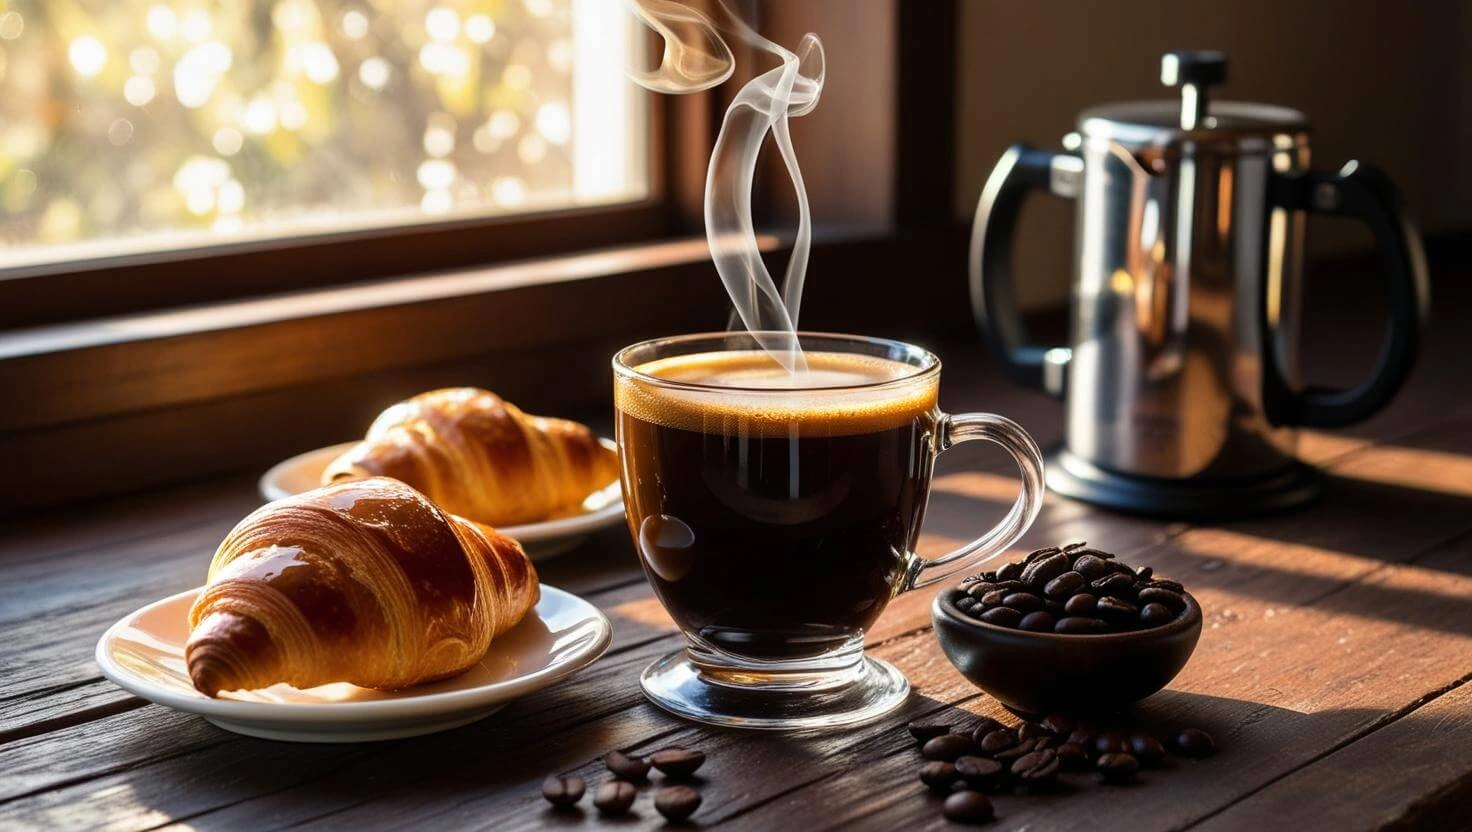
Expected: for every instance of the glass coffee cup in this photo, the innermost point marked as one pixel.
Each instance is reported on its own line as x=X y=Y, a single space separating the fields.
x=776 y=515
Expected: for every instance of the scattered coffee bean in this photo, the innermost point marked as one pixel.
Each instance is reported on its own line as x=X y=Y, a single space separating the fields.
x=1040 y=572
x=1166 y=598
x=1194 y=742
x=1023 y=602
x=1058 y=725
x=1144 y=573
x=1041 y=621
x=1162 y=583
x=1039 y=554
x=1010 y=572
x=1032 y=731
x=676 y=802
x=1111 y=742
x=1073 y=756
x=924 y=730
x=1091 y=568
x=1036 y=767
x=999 y=740
x=968 y=807
x=1022 y=747
x=677 y=762
x=1117 y=611
x=625 y=767
x=994 y=598
x=1154 y=615
x=1074 y=625
x=615 y=797
x=1118 y=767
x=1147 y=749
x=1002 y=617
x=563 y=792
x=984 y=725
x=940 y=776
x=946 y=747
x=1080 y=604
x=1064 y=586
x=978 y=772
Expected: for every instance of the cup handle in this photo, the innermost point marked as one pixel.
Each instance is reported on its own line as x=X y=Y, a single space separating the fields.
x=952 y=431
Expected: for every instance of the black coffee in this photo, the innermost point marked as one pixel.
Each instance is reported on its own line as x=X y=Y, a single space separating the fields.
x=773 y=518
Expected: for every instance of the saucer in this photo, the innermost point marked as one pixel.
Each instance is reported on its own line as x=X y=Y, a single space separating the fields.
x=144 y=654
x=603 y=508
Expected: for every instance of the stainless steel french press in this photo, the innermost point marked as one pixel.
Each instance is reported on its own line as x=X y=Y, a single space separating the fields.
x=1181 y=377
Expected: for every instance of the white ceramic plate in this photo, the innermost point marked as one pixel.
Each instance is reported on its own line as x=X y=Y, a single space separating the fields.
x=603 y=508
x=144 y=655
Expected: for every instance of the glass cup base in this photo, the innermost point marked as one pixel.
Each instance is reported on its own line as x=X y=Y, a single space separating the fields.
x=739 y=698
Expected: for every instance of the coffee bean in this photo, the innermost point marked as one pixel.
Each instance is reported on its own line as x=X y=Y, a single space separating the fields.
x=967 y=807
x=967 y=604
x=1117 y=768
x=1010 y=572
x=978 y=772
x=1091 y=567
x=1080 y=604
x=980 y=588
x=624 y=767
x=1058 y=725
x=947 y=747
x=1073 y=756
x=1040 y=572
x=1036 y=767
x=1144 y=573
x=676 y=802
x=1158 y=595
x=1022 y=747
x=1064 y=586
x=615 y=797
x=1163 y=583
x=1055 y=608
x=1120 y=612
x=1041 y=621
x=1082 y=735
x=1002 y=617
x=1117 y=585
x=563 y=792
x=1012 y=586
x=924 y=730
x=994 y=598
x=1111 y=742
x=1032 y=731
x=1075 y=546
x=1147 y=749
x=1023 y=602
x=984 y=725
x=1154 y=615
x=1194 y=742
x=939 y=776
x=1039 y=554
x=677 y=762
x=998 y=740
x=1077 y=625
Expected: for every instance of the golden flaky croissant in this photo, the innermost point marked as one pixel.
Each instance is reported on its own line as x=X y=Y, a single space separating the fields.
x=365 y=582
x=480 y=457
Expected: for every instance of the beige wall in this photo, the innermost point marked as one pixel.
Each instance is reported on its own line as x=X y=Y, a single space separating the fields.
x=1386 y=81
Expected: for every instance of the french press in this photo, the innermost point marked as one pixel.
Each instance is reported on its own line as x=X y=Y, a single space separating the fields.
x=1181 y=378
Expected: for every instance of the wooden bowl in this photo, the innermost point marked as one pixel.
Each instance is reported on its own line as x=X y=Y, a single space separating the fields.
x=1039 y=673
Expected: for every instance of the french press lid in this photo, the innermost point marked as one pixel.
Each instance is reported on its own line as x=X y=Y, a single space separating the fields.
x=1249 y=127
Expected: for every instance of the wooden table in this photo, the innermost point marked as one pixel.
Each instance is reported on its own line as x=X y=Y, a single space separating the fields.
x=1331 y=670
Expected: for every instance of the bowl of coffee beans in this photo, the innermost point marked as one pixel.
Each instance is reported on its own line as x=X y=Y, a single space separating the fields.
x=1068 y=628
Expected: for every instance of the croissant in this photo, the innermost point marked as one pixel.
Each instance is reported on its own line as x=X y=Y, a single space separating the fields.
x=480 y=457
x=365 y=582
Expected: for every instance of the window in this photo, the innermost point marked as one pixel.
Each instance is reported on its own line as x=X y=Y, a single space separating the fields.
x=144 y=125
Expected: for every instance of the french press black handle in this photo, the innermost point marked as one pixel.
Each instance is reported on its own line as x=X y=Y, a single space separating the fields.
x=1364 y=193
x=993 y=294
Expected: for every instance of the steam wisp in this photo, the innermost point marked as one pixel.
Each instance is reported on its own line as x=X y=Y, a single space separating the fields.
x=697 y=58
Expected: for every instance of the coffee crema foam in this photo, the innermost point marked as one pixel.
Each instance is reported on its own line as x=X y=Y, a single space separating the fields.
x=761 y=398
